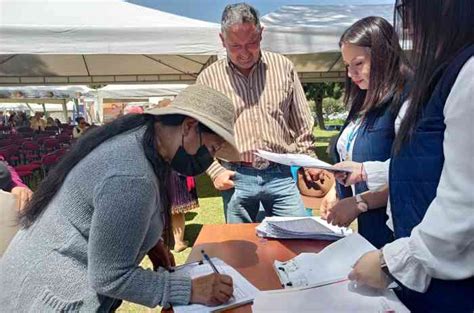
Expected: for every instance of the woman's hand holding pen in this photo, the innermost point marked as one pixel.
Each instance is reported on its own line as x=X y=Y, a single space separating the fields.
x=212 y=290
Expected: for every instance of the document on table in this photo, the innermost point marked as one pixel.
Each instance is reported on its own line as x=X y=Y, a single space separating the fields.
x=341 y=297
x=303 y=160
x=311 y=227
x=244 y=291
x=331 y=264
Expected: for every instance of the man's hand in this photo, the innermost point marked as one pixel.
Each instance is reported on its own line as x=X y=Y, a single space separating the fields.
x=312 y=174
x=23 y=195
x=343 y=213
x=224 y=180
x=161 y=256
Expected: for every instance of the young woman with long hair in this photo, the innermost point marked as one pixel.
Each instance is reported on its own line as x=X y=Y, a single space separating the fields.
x=376 y=83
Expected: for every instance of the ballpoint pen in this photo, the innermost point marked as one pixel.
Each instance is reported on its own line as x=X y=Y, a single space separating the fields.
x=210 y=262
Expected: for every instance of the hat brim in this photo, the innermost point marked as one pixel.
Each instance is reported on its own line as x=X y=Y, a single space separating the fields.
x=227 y=152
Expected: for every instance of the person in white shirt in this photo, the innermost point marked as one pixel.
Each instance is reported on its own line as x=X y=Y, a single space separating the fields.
x=81 y=127
x=430 y=174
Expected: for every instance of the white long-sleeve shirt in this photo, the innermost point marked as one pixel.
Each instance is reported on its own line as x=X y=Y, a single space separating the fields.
x=442 y=245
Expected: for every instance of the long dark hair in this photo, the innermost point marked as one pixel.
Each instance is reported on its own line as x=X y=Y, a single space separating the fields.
x=389 y=67
x=92 y=139
x=436 y=30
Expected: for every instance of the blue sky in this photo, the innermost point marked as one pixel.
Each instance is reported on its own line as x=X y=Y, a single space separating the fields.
x=211 y=10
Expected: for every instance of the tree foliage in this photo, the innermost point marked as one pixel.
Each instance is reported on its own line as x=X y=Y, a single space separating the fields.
x=317 y=92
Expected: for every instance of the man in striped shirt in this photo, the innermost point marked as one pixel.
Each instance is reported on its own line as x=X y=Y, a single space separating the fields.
x=271 y=114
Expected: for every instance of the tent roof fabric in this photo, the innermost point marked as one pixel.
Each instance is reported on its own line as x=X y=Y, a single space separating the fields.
x=116 y=42
x=302 y=29
x=140 y=91
x=309 y=35
x=100 y=27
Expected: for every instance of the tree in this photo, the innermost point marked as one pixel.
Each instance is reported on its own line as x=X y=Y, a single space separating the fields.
x=317 y=92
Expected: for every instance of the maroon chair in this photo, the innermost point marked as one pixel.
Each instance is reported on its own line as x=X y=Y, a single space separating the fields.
x=26 y=176
x=51 y=144
x=47 y=162
x=11 y=154
x=31 y=151
x=5 y=142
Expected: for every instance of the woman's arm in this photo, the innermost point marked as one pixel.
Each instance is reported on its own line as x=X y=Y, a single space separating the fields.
x=123 y=209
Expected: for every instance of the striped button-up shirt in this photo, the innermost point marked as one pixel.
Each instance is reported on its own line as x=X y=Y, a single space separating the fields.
x=271 y=111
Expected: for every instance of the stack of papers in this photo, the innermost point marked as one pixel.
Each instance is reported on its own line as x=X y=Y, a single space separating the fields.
x=244 y=291
x=300 y=228
x=332 y=264
x=302 y=160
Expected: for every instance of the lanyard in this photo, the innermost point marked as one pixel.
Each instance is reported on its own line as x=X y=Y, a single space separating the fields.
x=351 y=137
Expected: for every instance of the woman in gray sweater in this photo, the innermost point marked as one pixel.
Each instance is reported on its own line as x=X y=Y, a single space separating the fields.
x=97 y=214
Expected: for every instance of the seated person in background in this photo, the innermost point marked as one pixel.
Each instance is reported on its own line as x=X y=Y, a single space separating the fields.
x=10 y=181
x=80 y=128
x=50 y=122
x=37 y=123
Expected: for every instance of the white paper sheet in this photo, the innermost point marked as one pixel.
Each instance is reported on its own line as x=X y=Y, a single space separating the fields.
x=339 y=297
x=333 y=263
x=244 y=291
x=303 y=160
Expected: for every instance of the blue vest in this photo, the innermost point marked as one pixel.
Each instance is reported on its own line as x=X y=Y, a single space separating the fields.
x=414 y=177
x=372 y=143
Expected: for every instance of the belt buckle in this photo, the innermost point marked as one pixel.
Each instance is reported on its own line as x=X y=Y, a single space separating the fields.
x=260 y=163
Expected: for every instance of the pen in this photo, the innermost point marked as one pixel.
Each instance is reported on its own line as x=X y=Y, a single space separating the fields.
x=210 y=262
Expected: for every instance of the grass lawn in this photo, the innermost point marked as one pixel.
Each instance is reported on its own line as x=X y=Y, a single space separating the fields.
x=211 y=212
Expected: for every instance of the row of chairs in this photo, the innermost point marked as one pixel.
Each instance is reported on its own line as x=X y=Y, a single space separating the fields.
x=32 y=173
x=32 y=155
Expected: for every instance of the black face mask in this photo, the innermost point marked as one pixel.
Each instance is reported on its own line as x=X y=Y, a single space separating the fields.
x=192 y=165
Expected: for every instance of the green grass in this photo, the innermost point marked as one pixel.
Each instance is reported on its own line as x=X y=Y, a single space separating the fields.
x=211 y=212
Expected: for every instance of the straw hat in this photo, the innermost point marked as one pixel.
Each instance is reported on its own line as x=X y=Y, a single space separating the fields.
x=212 y=109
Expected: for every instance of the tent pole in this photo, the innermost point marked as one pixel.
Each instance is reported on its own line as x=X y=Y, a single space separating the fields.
x=44 y=109
x=64 y=110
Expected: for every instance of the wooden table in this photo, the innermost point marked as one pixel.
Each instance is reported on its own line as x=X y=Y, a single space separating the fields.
x=239 y=246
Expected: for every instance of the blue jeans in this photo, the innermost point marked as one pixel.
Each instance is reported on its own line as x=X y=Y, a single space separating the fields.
x=273 y=189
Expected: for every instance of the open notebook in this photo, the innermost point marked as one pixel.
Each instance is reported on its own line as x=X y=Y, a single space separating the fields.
x=244 y=291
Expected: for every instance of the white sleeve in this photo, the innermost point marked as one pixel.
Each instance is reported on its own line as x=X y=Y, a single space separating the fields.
x=377 y=174
x=442 y=245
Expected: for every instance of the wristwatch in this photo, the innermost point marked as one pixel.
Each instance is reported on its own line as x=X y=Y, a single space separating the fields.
x=361 y=203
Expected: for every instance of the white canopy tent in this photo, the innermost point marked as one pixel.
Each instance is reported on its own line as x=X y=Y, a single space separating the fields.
x=112 y=41
x=134 y=92
x=309 y=35
x=43 y=98
x=97 y=42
